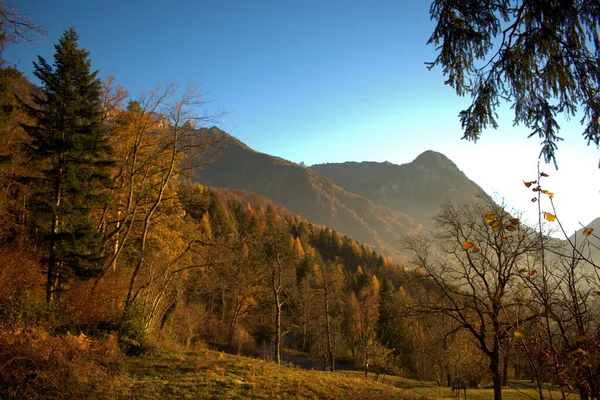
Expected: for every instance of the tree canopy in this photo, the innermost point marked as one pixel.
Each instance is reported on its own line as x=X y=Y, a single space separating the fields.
x=542 y=57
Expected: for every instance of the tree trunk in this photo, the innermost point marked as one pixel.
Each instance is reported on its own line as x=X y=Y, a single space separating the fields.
x=276 y=285
x=327 y=329
x=52 y=277
x=505 y=369
x=366 y=357
x=234 y=319
x=277 y=350
x=495 y=370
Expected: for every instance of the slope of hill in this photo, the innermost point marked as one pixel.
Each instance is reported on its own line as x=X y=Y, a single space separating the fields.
x=309 y=194
x=591 y=244
x=418 y=188
x=209 y=374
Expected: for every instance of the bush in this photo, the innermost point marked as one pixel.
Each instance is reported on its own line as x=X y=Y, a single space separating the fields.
x=37 y=365
x=133 y=337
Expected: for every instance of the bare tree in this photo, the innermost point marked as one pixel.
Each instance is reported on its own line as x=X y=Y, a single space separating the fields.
x=281 y=261
x=474 y=264
x=16 y=27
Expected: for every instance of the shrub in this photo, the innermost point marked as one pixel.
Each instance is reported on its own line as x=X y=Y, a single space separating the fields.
x=37 y=365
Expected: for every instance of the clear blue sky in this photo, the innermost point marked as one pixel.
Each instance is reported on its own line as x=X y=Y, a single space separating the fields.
x=315 y=81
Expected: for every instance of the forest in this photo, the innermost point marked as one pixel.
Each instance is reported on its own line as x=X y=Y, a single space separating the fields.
x=110 y=249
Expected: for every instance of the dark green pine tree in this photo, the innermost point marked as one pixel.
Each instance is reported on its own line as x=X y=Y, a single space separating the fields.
x=391 y=330
x=71 y=150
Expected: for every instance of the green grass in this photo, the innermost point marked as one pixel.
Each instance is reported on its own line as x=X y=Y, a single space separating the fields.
x=213 y=375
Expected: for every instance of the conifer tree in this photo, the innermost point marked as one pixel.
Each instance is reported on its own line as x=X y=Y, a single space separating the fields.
x=71 y=151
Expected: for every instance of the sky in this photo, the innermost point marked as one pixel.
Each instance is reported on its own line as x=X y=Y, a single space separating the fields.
x=318 y=81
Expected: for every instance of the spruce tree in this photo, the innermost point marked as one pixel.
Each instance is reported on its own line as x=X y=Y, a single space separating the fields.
x=71 y=150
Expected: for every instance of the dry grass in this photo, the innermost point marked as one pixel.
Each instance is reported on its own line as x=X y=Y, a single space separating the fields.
x=37 y=365
x=210 y=374
x=213 y=375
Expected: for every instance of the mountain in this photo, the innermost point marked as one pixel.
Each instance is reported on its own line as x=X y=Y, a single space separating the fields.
x=309 y=194
x=592 y=245
x=418 y=188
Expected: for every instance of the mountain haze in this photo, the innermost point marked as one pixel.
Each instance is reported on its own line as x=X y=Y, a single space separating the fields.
x=592 y=242
x=309 y=194
x=418 y=188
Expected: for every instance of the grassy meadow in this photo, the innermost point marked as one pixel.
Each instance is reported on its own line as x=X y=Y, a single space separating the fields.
x=208 y=374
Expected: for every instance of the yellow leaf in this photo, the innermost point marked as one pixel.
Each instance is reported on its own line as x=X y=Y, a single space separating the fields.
x=490 y=217
x=523 y=270
x=550 y=194
x=518 y=334
x=467 y=245
x=496 y=225
x=588 y=231
x=549 y=217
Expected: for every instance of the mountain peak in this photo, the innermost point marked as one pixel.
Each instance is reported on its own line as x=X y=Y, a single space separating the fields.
x=432 y=158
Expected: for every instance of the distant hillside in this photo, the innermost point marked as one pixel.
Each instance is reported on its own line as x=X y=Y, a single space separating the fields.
x=418 y=188
x=593 y=240
x=309 y=194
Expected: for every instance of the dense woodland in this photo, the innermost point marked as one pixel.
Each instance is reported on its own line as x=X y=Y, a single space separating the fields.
x=109 y=249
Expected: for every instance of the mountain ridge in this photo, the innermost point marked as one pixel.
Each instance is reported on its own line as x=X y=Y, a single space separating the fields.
x=375 y=203
x=311 y=195
x=417 y=188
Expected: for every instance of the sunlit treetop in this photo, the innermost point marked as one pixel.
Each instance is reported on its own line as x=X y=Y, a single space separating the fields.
x=541 y=56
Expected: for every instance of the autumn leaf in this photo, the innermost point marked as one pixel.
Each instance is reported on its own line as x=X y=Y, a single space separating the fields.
x=503 y=238
x=515 y=221
x=476 y=249
x=523 y=270
x=588 y=231
x=490 y=217
x=545 y=175
x=511 y=228
x=550 y=194
x=518 y=334
x=467 y=245
x=527 y=184
x=549 y=217
x=532 y=272
x=496 y=225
